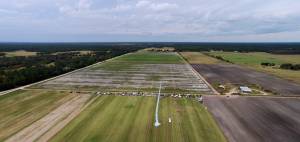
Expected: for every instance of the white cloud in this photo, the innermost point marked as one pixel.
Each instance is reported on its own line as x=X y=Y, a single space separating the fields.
x=155 y=6
x=197 y=18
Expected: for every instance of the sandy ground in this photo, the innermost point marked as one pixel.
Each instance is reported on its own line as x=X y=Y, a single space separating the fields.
x=235 y=74
x=50 y=124
x=256 y=119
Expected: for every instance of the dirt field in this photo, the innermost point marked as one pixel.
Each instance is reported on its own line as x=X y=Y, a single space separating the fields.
x=253 y=60
x=234 y=74
x=257 y=119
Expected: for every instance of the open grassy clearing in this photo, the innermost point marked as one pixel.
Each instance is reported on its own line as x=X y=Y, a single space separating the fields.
x=141 y=57
x=82 y=52
x=254 y=59
x=21 y=108
x=199 y=58
x=140 y=72
x=112 y=118
x=20 y=53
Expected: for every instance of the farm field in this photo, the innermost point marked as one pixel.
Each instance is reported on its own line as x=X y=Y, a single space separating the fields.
x=20 y=53
x=38 y=112
x=123 y=118
x=254 y=59
x=21 y=108
x=218 y=72
x=199 y=58
x=135 y=72
x=237 y=75
x=256 y=119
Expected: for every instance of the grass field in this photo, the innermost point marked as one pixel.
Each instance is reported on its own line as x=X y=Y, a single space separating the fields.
x=199 y=58
x=141 y=57
x=112 y=118
x=254 y=59
x=21 y=108
x=19 y=53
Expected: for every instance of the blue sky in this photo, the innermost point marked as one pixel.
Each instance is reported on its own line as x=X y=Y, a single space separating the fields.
x=150 y=20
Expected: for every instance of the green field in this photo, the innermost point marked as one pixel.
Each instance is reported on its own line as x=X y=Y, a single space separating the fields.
x=21 y=108
x=112 y=118
x=140 y=57
x=254 y=59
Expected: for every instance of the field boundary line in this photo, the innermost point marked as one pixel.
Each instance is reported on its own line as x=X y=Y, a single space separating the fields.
x=55 y=77
x=199 y=75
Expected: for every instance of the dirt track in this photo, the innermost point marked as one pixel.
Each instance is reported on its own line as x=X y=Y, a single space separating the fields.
x=42 y=129
x=257 y=119
x=234 y=74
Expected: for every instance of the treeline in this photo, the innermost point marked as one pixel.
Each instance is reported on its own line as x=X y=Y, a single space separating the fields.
x=289 y=66
x=218 y=57
x=279 y=48
x=19 y=71
x=267 y=64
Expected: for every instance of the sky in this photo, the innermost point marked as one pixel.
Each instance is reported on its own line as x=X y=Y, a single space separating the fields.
x=149 y=20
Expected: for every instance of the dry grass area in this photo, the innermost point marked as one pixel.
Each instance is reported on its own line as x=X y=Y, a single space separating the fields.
x=21 y=108
x=41 y=130
x=82 y=52
x=20 y=53
x=199 y=58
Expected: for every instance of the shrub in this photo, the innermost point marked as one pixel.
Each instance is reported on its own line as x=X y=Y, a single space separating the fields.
x=267 y=64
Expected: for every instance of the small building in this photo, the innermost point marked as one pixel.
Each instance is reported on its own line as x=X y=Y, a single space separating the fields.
x=245 y=89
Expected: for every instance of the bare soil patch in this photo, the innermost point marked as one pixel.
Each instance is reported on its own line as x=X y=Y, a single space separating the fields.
x=256 y=119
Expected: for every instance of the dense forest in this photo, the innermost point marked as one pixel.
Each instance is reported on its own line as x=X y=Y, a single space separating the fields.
x=21 y=70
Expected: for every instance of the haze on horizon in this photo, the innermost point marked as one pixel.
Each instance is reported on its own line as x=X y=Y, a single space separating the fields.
x=150 y=20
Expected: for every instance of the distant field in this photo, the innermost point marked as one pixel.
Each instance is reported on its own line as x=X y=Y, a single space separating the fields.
x=135 y=72
x=199 y=58
x=122 y=119
x=19 y=53
x=254 y=59
x=141 y=57
x=21 y=108
x=82 y=52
